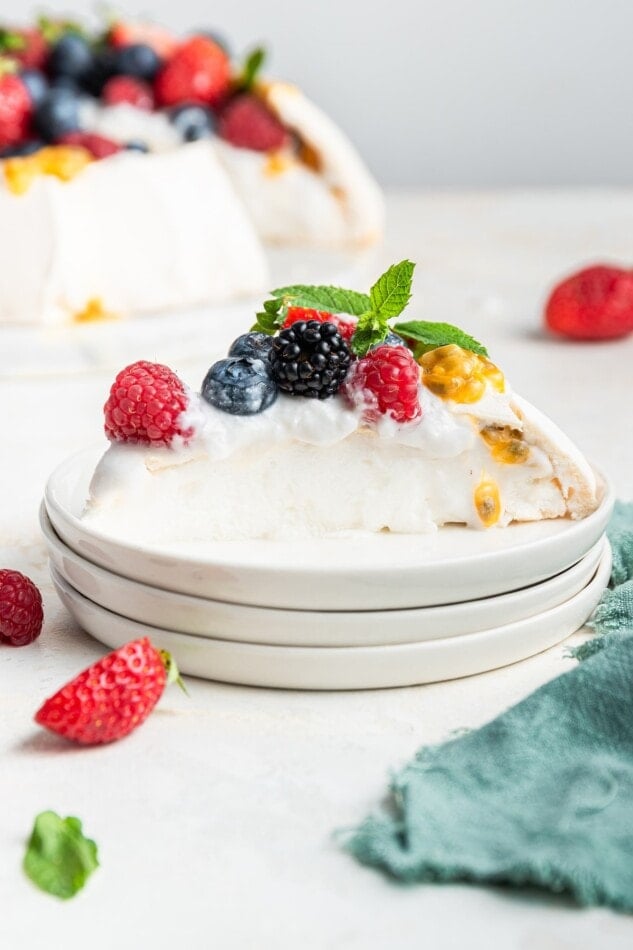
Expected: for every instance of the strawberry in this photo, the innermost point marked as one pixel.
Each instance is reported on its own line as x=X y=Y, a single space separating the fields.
x=199 y=72
x=160 y=39
x=98 y=145
x=127 y=89
x=26 y=46
x=595 y=303
x=345 y=325
x=15 y=108
x=112 y=697
x=247 y=122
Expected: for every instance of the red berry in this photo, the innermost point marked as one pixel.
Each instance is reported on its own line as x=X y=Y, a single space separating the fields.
x=33 y=52
x=15 y=110
x=109 y=699
x=199 y=71
x=126 y=89
x=594 y=304
x=345 y=325
x=97 y=145
x=21 y=612
x=247 y=122
x=160 y=39
x=145 y=404
x=385 y=381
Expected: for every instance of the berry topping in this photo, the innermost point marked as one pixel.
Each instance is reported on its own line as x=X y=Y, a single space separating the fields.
x=57 y=114
x=70 y=56
x=145 y=404
x=192 y=121
x=594 y=304
x=386 y=381
x=20 y=609
x=158 y=38
x=97 y=145
x=138 y=60
x=344 y=325
x=27 y=47
x=199 y=71
x=247 y=122
x=15 y=110
x=136 y=145
x=36 y=85
x=309 y=359
x=134 y=92
x=240 y=386
x=111 y=698
x=256 y=346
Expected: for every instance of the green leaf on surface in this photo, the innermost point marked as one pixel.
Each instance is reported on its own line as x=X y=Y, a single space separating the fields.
x=432 y=335
x=59 y=859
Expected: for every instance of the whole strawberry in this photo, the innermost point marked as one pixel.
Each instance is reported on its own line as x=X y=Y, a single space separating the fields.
x=199 y=72
x=595 y=303
x=145 y=406
x=15 y=108
x=247 y=122
x=345 y=326
x=385 y=382
x=111 y=698
x=21 y=612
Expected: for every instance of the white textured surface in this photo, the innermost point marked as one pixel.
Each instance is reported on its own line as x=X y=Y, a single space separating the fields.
x=215 y=819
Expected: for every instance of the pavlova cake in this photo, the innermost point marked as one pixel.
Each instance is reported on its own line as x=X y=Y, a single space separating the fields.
x=140 y=171
x=330 y=417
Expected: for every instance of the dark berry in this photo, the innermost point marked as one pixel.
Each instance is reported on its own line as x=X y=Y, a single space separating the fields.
x=255 y=346
x=70 y=56
x=22 y=148
x=138 y=60
x=67 y=84
x=392 y=339
x=57 y=114
x=192 y=121
x=36 y=85
x=137 y=146
x=102 y=68
x=309 y=359
x=240 y=386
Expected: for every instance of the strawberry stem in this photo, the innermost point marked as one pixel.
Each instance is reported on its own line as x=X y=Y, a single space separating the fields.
x=171 y=668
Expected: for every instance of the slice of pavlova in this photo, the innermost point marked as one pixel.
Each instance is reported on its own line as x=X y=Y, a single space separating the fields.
x=328 y=417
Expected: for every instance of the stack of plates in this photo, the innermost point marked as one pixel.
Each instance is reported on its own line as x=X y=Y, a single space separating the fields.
x=345 y=613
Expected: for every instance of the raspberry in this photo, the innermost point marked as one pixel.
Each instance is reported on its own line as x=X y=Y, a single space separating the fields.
x=345 y=325
x=309 y=359
x=596 y=303
x=145 y=404
x=199 y=72
x=33 y=51
x=126 y=89
x=97 y=145
x=15 y=110
x=111 y=698
x=161 y=40
x=21 y=612
x=386 y=381
x=247 y=122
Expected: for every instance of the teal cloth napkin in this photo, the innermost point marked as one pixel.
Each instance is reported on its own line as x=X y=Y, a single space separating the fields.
x=542 y=795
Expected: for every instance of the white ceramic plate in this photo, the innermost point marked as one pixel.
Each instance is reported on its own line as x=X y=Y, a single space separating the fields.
x=169 y=337
x=364 y=572
x=405 y=664
x=217 y=619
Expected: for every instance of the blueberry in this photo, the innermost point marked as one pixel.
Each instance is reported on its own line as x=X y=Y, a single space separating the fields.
x=138 y=60
x=240 y=386
x=193 y=122
x=68 y=84
x=103 y=68
x=392 y=339
x=255 y=346
x=36 y=85
x=137 y=146
x=70 y=56
x=57 y=114
x=23 y=148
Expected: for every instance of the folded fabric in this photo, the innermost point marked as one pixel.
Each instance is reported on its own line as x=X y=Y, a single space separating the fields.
x=542 y=795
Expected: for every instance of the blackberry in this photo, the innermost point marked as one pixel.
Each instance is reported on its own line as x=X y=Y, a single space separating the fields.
x=309 y=359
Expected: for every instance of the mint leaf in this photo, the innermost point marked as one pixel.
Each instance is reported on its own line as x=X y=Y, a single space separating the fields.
x=432 y=335
x=252 y=66
x=11 y=42
x=392 y=292
x=324 y=297
x=369 y=331
x=270 y=318
x=59 y=859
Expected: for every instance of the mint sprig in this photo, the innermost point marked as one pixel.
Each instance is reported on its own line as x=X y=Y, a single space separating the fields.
x=251 y=68
x=59 y=859
x=10 y=41
x=387 y=299
x=431 y=335
x=315 y=297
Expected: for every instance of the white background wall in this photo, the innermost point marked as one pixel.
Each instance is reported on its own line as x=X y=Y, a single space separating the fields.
x=446 y=92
